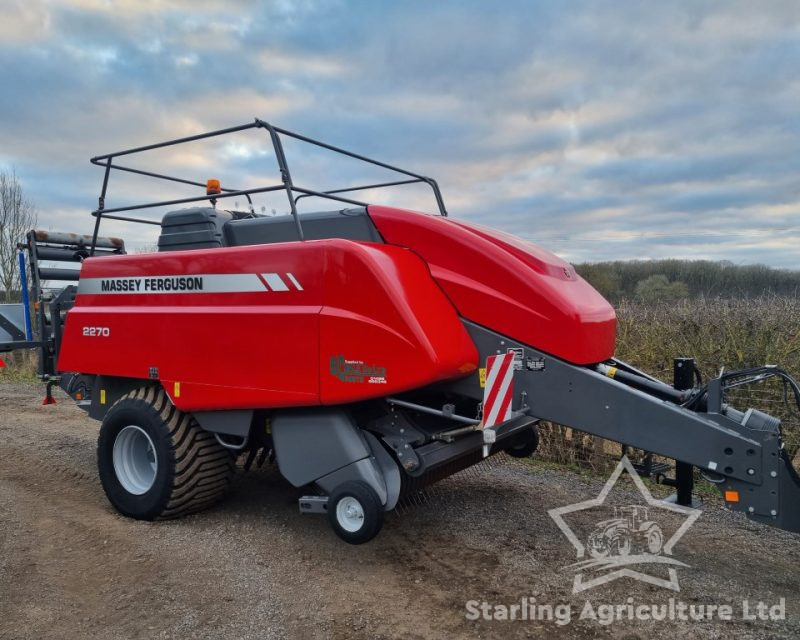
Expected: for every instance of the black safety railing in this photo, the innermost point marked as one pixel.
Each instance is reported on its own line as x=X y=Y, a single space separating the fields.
x=294 y=192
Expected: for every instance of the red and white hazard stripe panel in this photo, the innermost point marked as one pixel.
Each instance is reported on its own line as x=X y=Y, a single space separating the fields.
x=274 y=282
x=499 y=390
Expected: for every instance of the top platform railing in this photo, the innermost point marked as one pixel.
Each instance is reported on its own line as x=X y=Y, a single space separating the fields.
x=293 y=192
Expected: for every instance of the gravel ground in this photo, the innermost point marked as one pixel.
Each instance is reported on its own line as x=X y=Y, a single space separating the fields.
x=252 y=567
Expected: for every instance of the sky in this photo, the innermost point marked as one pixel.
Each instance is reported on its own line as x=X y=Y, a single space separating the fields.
x=598 y=130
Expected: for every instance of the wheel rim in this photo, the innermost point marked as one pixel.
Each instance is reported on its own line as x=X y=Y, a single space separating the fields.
x=350 y=514
x=654 y=542
x=135 y=460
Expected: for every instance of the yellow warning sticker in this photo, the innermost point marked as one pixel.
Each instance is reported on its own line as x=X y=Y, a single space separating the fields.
x=177 y=390
x=482 y=376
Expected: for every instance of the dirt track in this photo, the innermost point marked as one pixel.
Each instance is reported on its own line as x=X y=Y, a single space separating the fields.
x=252 y=567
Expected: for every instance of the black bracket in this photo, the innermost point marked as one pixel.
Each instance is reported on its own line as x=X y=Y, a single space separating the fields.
x=683 y=379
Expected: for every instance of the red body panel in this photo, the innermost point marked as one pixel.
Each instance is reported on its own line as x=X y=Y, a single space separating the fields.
x=373 y=308
x=382 y=310
x=508 y=285
x=327 y=321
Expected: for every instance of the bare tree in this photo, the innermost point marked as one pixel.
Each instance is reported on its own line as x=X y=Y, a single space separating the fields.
x=17 y=217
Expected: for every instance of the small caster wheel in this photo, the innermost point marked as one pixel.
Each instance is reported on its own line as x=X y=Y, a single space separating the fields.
x=524 y=444
x=355 y=512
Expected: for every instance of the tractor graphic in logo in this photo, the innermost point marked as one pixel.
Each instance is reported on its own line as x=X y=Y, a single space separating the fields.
x=638 y=536
x=628 y=531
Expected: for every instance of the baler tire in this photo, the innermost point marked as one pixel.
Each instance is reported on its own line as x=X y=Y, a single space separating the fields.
x=191 y=469
x=366 y=501
x=524 y=444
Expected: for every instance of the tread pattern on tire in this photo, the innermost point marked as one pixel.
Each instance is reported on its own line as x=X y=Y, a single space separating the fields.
x=203 y=468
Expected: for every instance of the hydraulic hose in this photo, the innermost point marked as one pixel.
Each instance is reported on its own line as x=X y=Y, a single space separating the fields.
x=659 y=389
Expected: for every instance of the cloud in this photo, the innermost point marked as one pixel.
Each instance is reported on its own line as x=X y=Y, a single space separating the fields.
x=599 y=129
x=24 y=21
x=292 y=63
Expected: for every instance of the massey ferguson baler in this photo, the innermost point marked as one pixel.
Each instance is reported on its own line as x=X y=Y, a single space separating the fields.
x=369 y=350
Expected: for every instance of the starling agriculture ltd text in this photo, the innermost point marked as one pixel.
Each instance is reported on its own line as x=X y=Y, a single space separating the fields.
x=528 y=609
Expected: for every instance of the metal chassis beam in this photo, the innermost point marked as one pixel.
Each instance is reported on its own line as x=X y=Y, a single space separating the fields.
x=737 y=457
x=581 y=398
x=21 y=344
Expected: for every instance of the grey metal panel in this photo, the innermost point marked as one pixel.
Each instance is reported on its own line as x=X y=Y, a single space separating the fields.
x=389 y=470
x=744 y=454
x=365 y=470
x=233 y=423
x=312 y=443
x=582 y=398
x=12 y=324
x=313 y=504
x=788 y=516
x=350 y=224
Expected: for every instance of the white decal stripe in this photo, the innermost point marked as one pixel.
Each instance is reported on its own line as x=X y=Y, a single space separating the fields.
x=491 y=375
x=294 y=281
x=502 y=396
x=275 y=282
x=494 y=365
x=491 y=412
x=494 y=410
x=494 y=417
x=491 y=419
x=166 y=284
